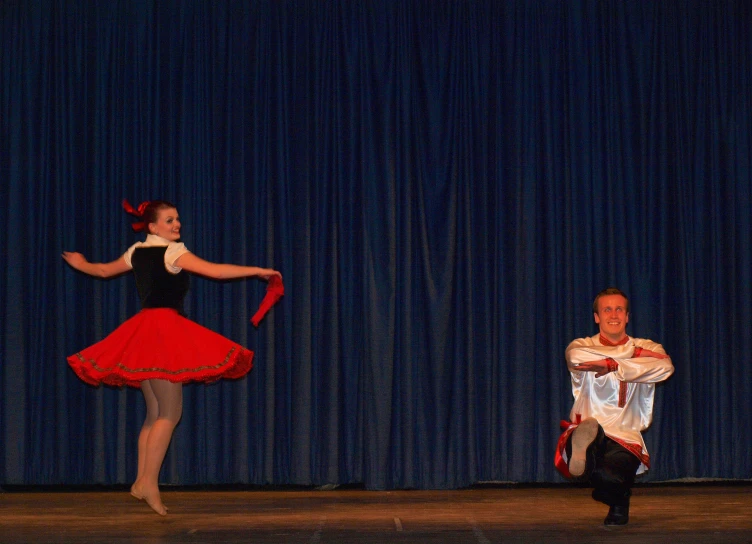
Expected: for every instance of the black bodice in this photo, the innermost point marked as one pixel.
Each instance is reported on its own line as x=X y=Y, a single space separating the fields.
x=156 y=286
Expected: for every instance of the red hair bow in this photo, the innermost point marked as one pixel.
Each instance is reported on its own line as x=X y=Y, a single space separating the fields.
x=140 y=226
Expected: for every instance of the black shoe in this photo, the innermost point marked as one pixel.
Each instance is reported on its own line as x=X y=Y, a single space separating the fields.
x=617 y=515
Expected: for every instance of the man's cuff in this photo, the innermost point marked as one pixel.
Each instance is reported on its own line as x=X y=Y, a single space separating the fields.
x=613 y=366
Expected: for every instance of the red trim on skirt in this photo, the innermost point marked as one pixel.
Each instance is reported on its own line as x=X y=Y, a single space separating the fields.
x=159 y=343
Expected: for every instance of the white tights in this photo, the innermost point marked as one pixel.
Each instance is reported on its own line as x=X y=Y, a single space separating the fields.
x=164 y=407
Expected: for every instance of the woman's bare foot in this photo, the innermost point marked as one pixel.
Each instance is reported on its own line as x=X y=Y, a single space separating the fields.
x=136 y=492
x=151 y=497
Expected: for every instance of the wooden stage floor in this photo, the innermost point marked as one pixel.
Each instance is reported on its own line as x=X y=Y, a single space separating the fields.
x=659 y=513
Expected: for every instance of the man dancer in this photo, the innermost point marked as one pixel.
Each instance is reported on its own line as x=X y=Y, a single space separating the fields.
x=613 y=383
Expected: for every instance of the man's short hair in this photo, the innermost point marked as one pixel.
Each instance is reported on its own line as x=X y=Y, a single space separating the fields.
x=610 y=291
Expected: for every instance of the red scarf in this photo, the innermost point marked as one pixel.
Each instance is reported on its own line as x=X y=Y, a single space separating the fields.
x=274 y=291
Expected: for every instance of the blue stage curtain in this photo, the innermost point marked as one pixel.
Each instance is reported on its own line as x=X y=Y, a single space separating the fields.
x=445 y=185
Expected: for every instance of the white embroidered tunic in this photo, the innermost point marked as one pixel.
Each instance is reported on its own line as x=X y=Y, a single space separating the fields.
x=621 y=401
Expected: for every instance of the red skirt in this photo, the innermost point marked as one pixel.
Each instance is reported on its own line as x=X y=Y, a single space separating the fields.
x=161 y=344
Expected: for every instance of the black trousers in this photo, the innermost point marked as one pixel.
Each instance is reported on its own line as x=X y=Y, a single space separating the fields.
x=611 y=470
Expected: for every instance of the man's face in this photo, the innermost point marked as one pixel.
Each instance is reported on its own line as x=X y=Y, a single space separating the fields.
x=612 y=316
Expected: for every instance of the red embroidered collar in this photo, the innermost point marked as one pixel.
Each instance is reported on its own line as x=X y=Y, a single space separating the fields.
x=606 y=342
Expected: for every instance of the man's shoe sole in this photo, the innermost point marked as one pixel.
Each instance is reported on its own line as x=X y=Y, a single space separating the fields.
x=582 y=437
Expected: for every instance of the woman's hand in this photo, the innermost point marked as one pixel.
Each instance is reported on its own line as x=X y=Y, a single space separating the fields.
x=76 y=260
x=266 y=273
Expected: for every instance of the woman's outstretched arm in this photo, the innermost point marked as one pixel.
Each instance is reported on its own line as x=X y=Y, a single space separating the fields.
x=221 y=271
x=100 y=270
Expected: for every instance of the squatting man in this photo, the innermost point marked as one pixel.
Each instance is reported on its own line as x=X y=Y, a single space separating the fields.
x=613 y=384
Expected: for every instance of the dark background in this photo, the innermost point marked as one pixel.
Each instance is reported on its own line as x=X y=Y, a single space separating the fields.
x=445 y=185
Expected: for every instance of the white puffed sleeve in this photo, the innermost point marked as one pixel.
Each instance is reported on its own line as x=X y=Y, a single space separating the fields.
x=174 y=251
x=129 y=253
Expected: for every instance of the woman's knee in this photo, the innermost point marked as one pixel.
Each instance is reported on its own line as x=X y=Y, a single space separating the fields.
x=169 y=398
x=171 y=409
x=175 y=413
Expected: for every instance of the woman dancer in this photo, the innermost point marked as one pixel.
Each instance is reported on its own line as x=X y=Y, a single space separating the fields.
x=158 y=349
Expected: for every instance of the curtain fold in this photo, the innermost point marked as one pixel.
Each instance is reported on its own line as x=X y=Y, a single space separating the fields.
x=444 y=186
